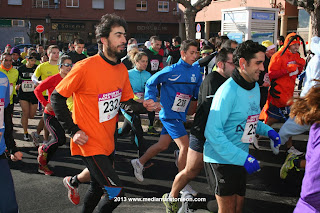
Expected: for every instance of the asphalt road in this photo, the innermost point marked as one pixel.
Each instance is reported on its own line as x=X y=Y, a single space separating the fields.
x=36 y=193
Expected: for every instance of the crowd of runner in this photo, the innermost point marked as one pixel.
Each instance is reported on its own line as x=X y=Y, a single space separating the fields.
x=235 y=93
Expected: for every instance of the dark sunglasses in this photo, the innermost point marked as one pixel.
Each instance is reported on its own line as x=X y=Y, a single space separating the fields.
x=67 y=65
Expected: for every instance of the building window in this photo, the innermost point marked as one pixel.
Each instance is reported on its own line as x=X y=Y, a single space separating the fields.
x=18 y=40
x=45 y=4
x=119 y=4
x=72 y=3
x=14 y=2
x=18 y=23
x=98 y=4
x=142 y=6
x=163 y=6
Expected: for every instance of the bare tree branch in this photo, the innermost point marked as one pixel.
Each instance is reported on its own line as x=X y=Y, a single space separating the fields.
x=185 y=3
x=199 y=5
x=190 y=12
x=313 y=8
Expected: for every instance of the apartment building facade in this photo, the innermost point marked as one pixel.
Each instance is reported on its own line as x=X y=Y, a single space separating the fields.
x=66 y=20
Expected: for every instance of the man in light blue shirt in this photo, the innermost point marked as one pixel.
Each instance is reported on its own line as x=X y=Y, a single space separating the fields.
x=232 y=125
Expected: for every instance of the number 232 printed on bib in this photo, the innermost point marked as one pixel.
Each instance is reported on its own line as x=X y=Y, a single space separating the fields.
x=109 y=104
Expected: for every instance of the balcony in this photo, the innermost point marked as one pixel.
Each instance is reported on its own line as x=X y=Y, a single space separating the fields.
x=51 y=4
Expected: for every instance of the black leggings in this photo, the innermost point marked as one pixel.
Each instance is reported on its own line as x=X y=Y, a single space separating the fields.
x=133 y=121
x=104 y=182
x=58 y=137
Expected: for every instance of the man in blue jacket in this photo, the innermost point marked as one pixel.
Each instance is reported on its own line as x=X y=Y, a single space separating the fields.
x=180 y=83
x=232 y=125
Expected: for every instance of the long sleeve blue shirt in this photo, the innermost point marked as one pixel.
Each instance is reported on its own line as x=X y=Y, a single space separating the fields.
x=177 y=78
x=227 y=119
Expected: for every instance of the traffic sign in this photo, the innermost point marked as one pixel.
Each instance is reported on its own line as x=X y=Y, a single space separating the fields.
x=198 y=28
x=39 y=28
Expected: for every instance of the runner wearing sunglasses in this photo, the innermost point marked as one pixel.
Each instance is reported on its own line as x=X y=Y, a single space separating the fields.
x=47 y=150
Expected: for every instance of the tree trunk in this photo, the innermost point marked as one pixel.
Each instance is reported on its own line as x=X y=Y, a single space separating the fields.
x=315 y=20
x=189 y=18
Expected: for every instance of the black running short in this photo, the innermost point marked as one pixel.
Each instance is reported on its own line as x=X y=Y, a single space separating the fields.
x=30 y=97
x=225 y=179
x=195 y=144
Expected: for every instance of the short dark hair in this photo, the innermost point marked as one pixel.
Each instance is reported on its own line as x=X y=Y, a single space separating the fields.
x=52 y=47
x=63 y=58
x=206 y=47
x=220 y=40
x=227 y=43
x=108 y=21
x=247 y=50
x=212 y=40
x=154 y=38
x=78 y=41
x=177 y=39
x=39 y=45
x=223 y=54
x=187 y=43
x=32 y=55
x=281 y=38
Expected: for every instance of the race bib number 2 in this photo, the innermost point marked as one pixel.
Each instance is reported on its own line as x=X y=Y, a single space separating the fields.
x=250 y=129
x=109 y=104
x=181 y=102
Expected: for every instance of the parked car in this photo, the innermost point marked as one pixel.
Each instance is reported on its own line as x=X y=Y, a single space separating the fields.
x=21 y=46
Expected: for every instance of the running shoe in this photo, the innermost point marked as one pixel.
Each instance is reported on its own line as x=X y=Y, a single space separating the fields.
x=190 y=190
x=187 y=199
x=138 y=169
x=44 y=169
x=26 y=137
x=288 y=165
x=171 y=206
x=42 y=156
x=176 y=156
x=152 y=131
x=295 y=151
x=73 y=193
x=35 y=139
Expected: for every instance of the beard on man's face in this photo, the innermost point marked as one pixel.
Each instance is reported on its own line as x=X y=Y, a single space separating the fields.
x=113 y=51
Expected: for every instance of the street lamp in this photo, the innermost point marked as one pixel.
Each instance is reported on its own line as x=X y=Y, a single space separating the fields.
x=176 y=13
x=48 y=19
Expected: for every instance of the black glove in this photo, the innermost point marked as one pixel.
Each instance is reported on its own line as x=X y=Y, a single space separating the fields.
x=273 y=92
